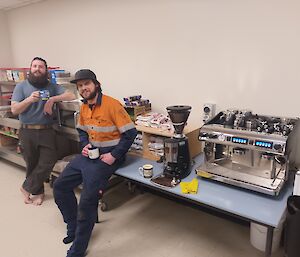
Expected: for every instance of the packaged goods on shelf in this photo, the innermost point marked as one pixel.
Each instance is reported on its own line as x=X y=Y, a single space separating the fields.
x=156 y=145
x=136 y=147
x=135 y=105
x=155 y=120
x=146 y=117
x=157 y=152
x=56 y=74
x=7 y=141
x=157 y=140
x=63 y=78
x=141 y=102
x=137 y=100
x=9 y=131
x=62 y=74
x=9 y=75
x=138 y=142
x=13 y=74
x=160 y=119
x=3 y=76
x=22 y=75
x=139 y=136
x=132 y=98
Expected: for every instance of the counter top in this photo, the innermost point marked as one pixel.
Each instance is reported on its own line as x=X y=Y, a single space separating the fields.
x=250 y=205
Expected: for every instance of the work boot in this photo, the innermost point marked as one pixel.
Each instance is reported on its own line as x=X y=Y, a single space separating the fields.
x=68 y=239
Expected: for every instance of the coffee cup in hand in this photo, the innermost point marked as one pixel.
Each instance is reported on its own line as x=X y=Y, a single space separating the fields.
x=146 y=170
x=44 y=95
x=93 y=153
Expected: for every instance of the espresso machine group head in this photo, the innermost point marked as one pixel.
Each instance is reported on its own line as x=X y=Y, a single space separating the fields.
x=176 y=149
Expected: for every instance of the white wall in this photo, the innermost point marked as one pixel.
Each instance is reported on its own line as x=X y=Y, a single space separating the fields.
x=5 y=48
x=234 y=53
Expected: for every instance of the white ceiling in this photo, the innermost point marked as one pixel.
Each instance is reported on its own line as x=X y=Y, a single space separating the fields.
x=10 y=4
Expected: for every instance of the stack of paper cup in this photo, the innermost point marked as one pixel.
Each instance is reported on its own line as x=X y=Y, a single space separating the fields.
x=296 y=190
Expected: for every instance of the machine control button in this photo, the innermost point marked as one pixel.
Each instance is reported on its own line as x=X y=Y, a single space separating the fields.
x=222 y=137
x=277 y=147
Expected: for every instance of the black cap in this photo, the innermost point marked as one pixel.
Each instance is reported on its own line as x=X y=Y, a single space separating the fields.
x=84 y=74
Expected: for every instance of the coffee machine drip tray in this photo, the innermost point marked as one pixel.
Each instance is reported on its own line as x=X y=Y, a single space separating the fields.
x=165 y=181
x=230 y=173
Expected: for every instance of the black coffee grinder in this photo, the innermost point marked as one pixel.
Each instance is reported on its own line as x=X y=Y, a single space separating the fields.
x=176 y=149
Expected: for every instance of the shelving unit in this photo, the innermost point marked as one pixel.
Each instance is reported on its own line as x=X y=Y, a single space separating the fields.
x=147 y=132
x=9 y=153
x=8 y=135
x=8 y=141
x=6 y=89
x=10 y=122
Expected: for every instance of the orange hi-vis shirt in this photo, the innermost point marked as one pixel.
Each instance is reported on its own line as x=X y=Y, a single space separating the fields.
x=104 y=123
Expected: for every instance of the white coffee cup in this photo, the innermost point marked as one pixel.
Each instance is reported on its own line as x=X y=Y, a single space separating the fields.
x=146 y=170
x=93 y=153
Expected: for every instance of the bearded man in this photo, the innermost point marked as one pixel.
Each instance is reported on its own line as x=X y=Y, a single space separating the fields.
x=33 y=101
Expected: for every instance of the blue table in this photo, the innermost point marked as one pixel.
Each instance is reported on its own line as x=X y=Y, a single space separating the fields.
x=247 y=205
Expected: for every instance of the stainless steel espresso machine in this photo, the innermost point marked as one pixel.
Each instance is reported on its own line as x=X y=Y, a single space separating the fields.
x=176 y=149
x=246 y=150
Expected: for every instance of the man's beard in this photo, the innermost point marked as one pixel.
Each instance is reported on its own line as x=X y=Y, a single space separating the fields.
x=92 y=94
x=40 y=81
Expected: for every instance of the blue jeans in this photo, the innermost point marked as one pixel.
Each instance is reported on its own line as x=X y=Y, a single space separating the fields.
x=80 y=218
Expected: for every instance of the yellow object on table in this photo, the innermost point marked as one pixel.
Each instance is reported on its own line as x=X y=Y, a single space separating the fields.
x=204 y=174
x=189 y=187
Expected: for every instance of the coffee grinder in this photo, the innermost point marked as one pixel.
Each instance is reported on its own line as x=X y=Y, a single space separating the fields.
x=176 y=149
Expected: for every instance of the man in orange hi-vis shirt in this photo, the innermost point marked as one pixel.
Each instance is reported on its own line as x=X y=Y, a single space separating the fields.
x=106 y=133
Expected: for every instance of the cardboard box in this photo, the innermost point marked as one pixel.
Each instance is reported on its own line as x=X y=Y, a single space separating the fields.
x=134 y=111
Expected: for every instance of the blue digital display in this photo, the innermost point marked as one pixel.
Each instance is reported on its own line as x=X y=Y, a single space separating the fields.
x=264 y=144
x=239 y=140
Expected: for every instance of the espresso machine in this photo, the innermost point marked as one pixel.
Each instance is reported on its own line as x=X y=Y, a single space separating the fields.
x=176 y=149
x=246 y=150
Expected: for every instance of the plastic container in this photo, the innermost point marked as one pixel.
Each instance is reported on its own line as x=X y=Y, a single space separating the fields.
x=296 y=189
x=258 y=235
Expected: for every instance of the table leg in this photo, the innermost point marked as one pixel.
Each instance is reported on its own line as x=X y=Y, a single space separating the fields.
x=268 y=250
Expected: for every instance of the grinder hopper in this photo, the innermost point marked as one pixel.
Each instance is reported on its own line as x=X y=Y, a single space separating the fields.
x=179 y=115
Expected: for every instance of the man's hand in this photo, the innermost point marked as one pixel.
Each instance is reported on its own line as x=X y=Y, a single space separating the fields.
x=19 y=107
x=85 y=150
x=107 y=158
x=34 y=97
x=48 y=107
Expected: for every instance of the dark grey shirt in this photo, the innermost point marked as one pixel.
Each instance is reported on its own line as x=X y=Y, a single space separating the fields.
x=34 y=114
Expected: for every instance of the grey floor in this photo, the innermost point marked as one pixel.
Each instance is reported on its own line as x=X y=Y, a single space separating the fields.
x=135 y=225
